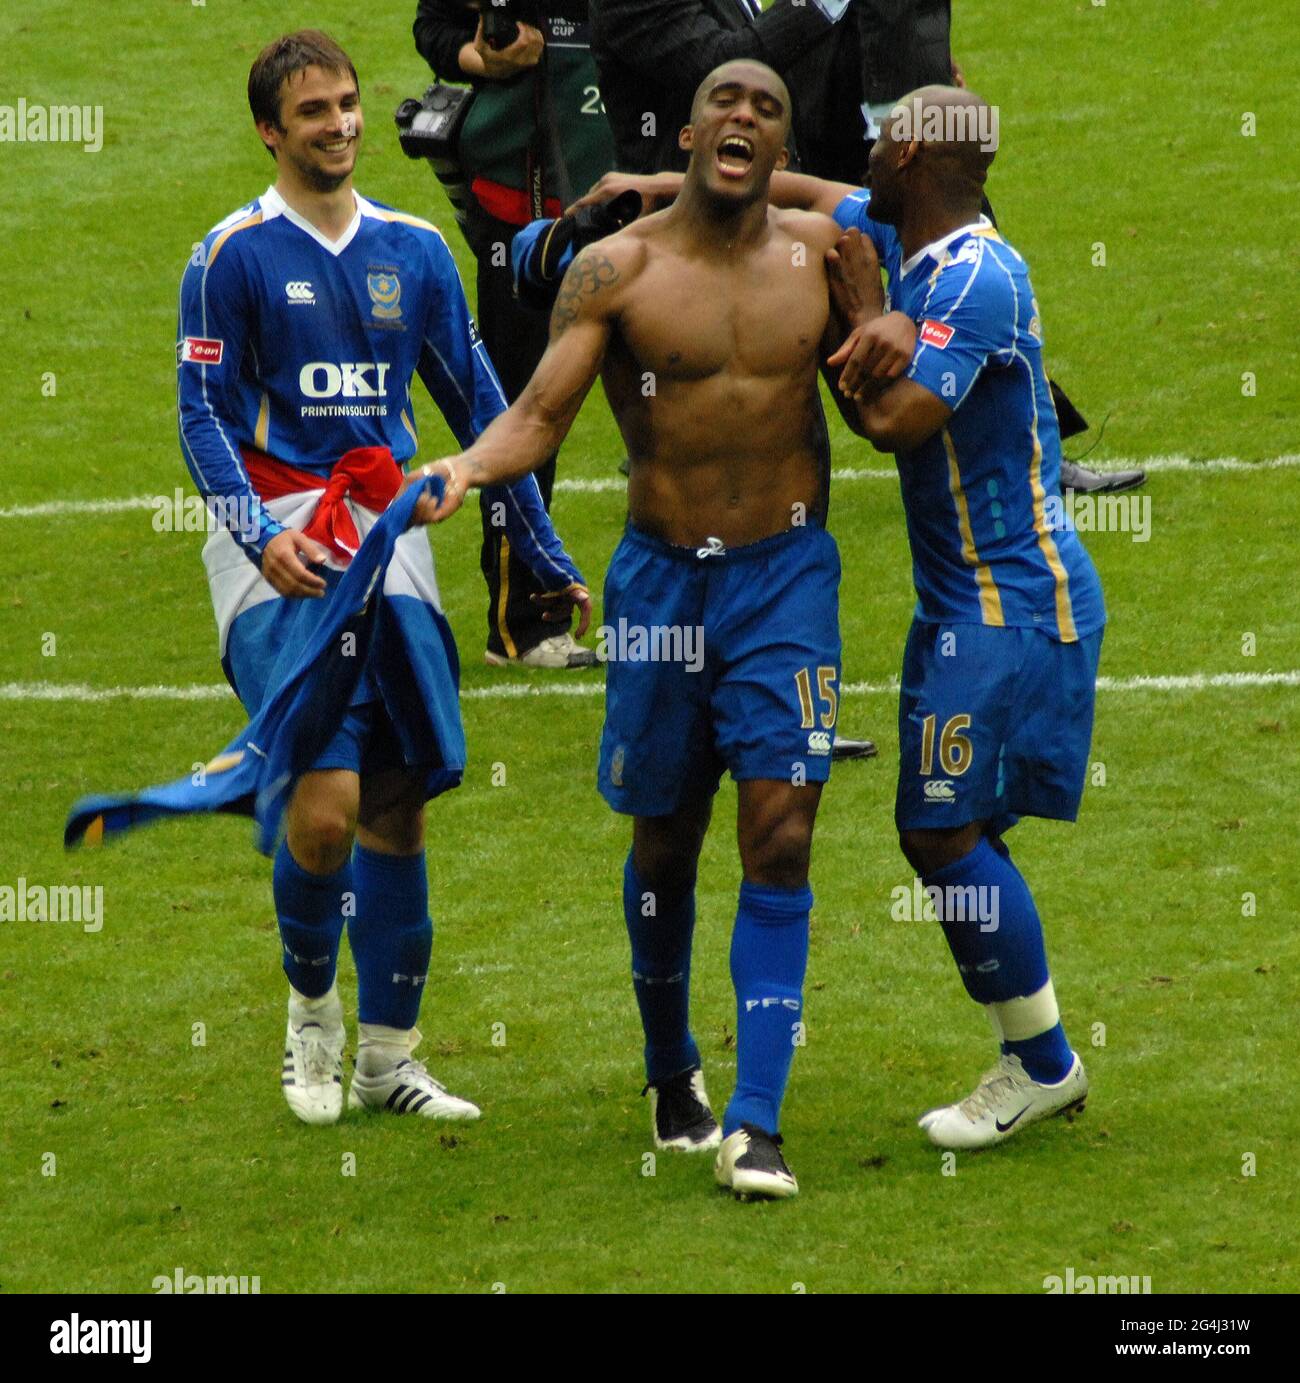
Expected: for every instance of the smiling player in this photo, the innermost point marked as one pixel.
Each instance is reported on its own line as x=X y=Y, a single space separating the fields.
x=304 y=318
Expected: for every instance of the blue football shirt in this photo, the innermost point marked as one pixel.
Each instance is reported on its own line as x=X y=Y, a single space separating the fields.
x=987 y=547
x=304 y=348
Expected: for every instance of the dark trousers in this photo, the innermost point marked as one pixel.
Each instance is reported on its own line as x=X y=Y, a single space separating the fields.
x=515 y=338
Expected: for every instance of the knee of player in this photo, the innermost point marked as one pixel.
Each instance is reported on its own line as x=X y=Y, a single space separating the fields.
x=914 y=851
x=928 y=851
x=323 y=831
x=780 y=856
x=396 y=833
x=663 y=867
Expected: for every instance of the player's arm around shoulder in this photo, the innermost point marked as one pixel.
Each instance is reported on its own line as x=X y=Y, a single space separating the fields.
x=803 y=192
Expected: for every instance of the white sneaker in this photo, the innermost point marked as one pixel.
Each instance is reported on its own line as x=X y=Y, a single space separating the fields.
x=559 y=651
x=312 y=1075
x=407 y=1088
x=1005 y=1101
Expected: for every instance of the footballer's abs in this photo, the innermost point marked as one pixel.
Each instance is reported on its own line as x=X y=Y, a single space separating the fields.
x=712 y=375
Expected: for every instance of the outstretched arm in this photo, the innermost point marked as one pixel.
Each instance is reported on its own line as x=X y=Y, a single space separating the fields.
x=520 y=439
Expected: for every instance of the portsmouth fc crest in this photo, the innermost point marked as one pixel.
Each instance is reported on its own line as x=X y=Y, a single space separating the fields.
x=385 y=293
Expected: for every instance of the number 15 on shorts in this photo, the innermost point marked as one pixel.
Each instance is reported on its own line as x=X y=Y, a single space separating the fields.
x=826 y=694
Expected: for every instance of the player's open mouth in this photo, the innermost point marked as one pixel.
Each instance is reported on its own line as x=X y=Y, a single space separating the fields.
x=735 y=154
x=336 y=147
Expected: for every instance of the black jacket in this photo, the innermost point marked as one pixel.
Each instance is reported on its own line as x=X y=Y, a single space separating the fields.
x=443 y=27
x=879 y=51
x=903 y=44
x=652 y=54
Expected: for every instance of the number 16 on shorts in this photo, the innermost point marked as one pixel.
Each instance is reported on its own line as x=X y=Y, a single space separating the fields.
x=955 y=749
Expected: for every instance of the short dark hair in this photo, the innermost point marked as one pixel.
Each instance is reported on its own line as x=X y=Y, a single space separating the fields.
x=281 y=59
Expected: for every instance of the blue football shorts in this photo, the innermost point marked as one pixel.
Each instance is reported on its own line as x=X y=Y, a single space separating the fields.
x=717 y=659
x=993 y=724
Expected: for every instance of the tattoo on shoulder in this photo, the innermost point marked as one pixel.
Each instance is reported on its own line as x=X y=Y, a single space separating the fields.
x=591 y=271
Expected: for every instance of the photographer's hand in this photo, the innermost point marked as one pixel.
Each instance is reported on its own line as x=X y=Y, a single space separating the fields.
x=477 y=59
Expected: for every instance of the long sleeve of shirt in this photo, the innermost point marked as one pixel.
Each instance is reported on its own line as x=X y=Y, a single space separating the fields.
x=456 y=371
x=213 y=335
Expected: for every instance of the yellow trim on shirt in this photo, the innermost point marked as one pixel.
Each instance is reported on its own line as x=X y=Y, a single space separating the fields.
x=503 y=599
x=1064 y=606
x=406 y=220
x=261 y=432
x=990 y=599
x=253 y=220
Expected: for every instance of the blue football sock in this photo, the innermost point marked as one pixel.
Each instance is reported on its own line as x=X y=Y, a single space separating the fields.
x=1047 y=1057
x=769 y=955
x=309 y=909
x=996 y=938
x=660 y=927
x=391 y=936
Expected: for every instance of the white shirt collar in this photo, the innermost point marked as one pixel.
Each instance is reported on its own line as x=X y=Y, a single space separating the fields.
x=274 y=205
x=936 y=248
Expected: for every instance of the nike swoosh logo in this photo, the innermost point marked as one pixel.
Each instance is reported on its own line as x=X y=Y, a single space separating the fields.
x=1002 y=1128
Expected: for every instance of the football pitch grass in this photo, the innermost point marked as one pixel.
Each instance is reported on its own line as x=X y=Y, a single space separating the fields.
x=143 y=1129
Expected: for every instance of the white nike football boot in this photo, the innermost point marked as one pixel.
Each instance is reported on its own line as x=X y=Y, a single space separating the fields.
x=312 y=1074
x=387 y=1078
x=1005 y=1101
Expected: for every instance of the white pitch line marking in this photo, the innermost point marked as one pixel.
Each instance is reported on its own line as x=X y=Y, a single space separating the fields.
x=518 y=691
x=62 y=508
x=79 y=691
x=1153 y=465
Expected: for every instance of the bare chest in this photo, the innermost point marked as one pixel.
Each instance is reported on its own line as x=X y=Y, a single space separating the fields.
x=689 y=320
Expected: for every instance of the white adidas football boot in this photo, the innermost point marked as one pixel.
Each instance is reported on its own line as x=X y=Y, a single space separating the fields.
x=402 y=1085
x=1005 y=1101
x=312 y=1074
